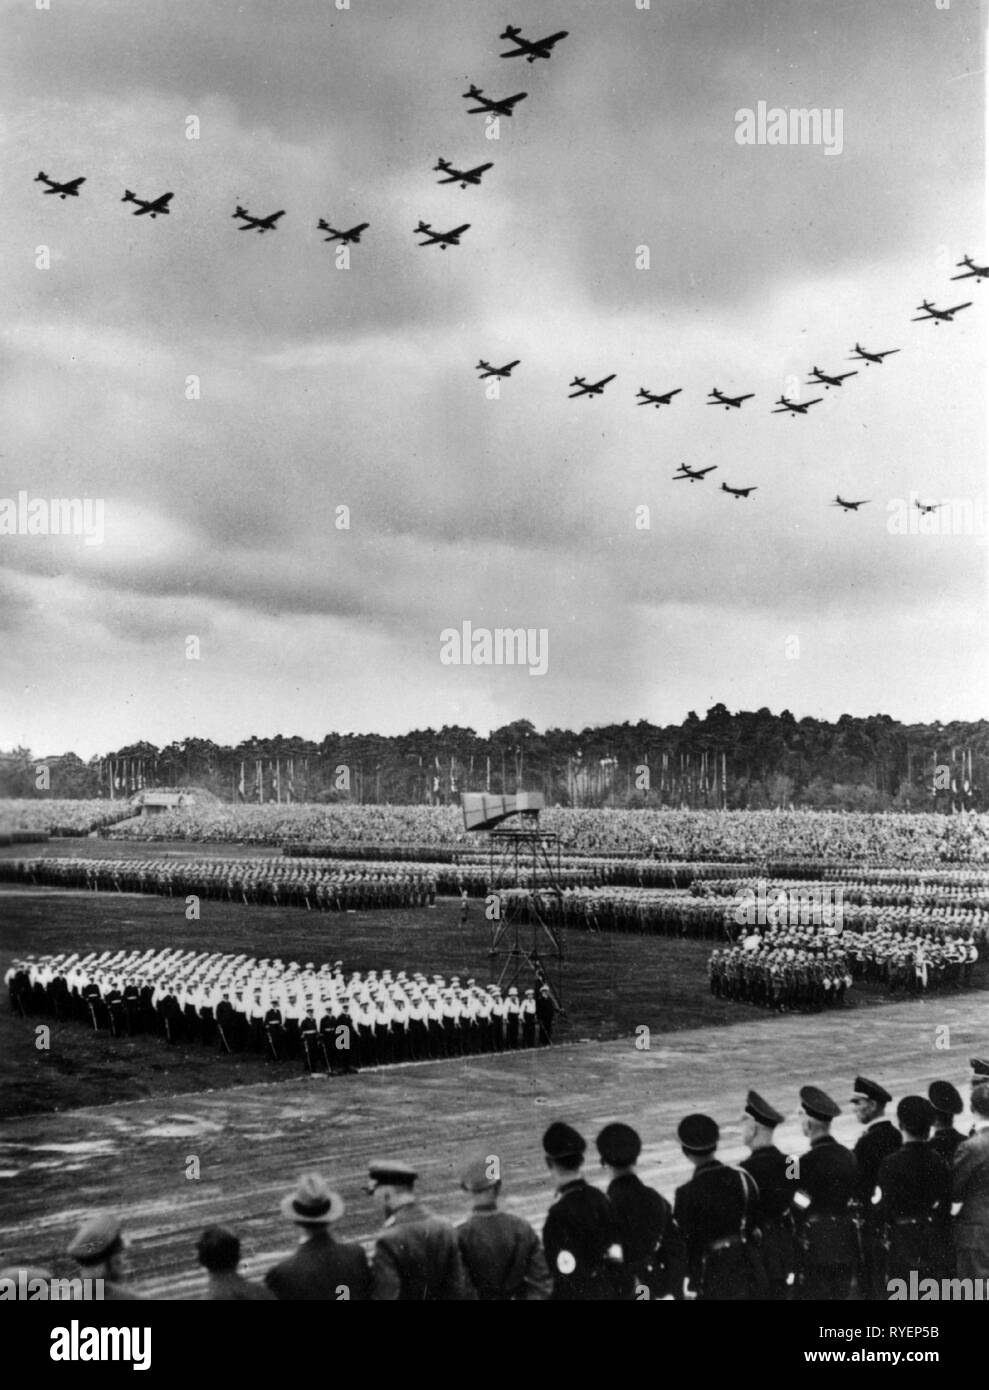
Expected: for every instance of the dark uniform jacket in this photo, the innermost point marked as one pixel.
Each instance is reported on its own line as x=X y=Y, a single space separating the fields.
x=503 y=1257
x=945 y=1142
x=580 y=1231
x=770 y=1169
x=319 y=1269
x=970 y=1186
x=829 y=1177
x=880 y=1139
x=713 y=1211
x=652 y=1245
x=417 y=1258
x=916 y=1188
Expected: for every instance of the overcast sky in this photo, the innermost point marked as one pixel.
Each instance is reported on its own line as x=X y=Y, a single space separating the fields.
x=323 y=387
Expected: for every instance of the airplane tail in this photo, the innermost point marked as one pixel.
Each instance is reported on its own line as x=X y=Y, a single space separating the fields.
x=511 y=32
x=472 y=91
x=42 y=177
x=441 y=164
x=128 y=197
x=241 y=212
x=424 y=227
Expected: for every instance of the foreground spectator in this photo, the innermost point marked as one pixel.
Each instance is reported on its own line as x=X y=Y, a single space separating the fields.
x=970 y=1186
x=416 y=1254
x=219 y=1254
x=652 y=1245
x=322 y=1267
x=501 y=1252
x=99 y=1248
x=715 y=1210
x=580 y=1237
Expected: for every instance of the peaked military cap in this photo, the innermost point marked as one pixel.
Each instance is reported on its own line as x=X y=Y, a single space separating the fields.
x=562 y=1141
x=619 y=1145
x=761 y=1111
x=945 y=1098
x=391 y=1173
x=698 y=1133
x=818 y=1104
x=864 y=1089
x=97 y=1239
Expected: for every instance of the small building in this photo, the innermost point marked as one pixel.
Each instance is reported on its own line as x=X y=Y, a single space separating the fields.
x=152 y=803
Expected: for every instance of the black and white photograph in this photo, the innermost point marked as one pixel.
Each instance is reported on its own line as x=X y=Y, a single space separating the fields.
x=442 y=858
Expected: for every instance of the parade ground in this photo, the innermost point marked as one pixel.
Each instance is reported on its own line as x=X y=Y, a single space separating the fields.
x=176 y=1139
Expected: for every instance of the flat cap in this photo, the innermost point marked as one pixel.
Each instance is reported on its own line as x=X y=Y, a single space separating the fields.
x=945 y=1098
x=96 y=1239
x=761 y=1111
x=619 y=1145
x=698 y=1133
x=915 y=1113
x=481 y=1174
x=864 y=1089
x=391 y=1173
x=818 y=1104
x=563 y=1141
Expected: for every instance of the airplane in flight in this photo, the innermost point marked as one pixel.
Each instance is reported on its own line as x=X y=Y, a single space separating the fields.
x=530 y=49
x=729 y=402
x=822 y=378
x=861 y=355
x=648 y=398
x=939 y=315
x=850 y=506
x=486 y=369
x=795 y=407
x=928 y=507
x=981 y=272
x=440 y=239
x=496 y=108
x=64 y=190
x=258 y=224
x=693 y=475
x=461 y=176
x=343 y=237
x=737 y=492
x=153 y=206
x=590 y=388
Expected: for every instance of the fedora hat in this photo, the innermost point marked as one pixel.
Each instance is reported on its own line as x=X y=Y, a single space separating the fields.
x=312 y=1203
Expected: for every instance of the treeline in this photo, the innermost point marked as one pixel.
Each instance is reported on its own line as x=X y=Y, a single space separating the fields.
x=756 y=760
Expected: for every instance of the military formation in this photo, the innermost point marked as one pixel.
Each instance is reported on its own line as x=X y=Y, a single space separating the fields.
x=781 y=978
x=830 y=1224
x=269 y=881
x=326 y=1021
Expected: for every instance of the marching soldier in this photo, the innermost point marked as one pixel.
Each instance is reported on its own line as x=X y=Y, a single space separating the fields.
x=915 y=1187
x=652 y=1246
x=773 y=1174
x=714 y=1212
x=501 y=1252
x=827 y=1239
x=880 y=1139
x=580 y=1237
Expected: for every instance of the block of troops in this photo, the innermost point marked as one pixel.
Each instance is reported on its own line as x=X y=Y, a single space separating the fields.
x=784 y=978
x=325 y=1020
x=640 y=910
x=278 y=882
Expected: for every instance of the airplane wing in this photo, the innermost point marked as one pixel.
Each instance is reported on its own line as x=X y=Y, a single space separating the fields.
x=708 y=470
x=965 y=276
x=71 y=186
x=783 y=410
x=919 y=319
x=451 y=178
x=679 y=477
x=966 y=305
x=479 y=170
x=604 y=380
x=457 y=230
x=816 y=401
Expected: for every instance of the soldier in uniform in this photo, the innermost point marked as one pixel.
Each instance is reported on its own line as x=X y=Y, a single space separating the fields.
x=714 y=1212
x=99 y=1248
x=416 y=1254
x=773 y=1174
x=947 y=1103
x=880 y=1139
x=915 y=1187
x=545 y=1013
x=827 y=1239
x=501 y=1252
x=652 y=1246
x=528 y=1016
x=580 y=1236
